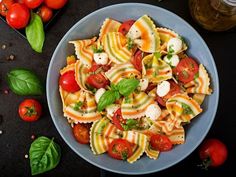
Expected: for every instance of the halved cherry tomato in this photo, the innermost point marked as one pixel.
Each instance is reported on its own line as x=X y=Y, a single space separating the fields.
x=81 y=133
x=186 y=70
x=174 y=89
x=97 y=81
x=55 y=4
x=30 y=110
x=18 y=16
x=32 y=4
x=45 y=13
x=5 y=6
x=95 y=67
x=120 y=149
x=117 y=119
x=160 y=142
x=150 y=87
x=213 y=153
x=126 y=25
x=68 y=83
x=136 y=60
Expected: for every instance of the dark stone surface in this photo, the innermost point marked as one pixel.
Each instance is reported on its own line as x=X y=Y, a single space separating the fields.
x=15 y=140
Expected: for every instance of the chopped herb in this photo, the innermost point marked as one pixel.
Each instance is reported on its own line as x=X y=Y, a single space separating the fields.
x=154 y=74
x=127 y=100
x=90 y=88
x=196 y=76
x=78 y=106
x=130 y=44
x=124 y=155
x=97 y=50
x=130 y=124
x=157 y=54
x=171 y=50
x=187 y=109
x=185 y=73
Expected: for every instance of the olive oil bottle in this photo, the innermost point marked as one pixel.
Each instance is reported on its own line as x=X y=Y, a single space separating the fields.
x=214 y=15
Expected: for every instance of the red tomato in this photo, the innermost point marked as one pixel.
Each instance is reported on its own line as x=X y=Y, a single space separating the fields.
x=19 y=1
x=117 y=119
x=120 y=149
x=150 y=87
x=18 y=16
x=124 y=28
x=5 y=6
x=97 y=81
x=68 y=83
x=136 y=60
x=55 y=4
x=95 y=67
x=45 y=13
x=161 y=142
x=32 y=4
x=213 y=153
x=30 y=110
x=81 y=133
x=186 y=70
x=174 y=89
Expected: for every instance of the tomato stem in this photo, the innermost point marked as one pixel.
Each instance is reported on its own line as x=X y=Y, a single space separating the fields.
x=30 y=111
x=205 y=163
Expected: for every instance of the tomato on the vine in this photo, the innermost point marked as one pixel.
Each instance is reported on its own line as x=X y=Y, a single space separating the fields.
x=5 y=6
x=30 y=110
x=125 y=26
x=213 y=153
x=120 y=149
x=68 y=83
x=32 y=4
x=45 y=13
x=55 y=4
x=81 y=132
x=18 y=16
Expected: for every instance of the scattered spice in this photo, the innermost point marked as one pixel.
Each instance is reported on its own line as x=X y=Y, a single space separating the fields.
x=32 y=137
x=11 y=57
x=6 y=91
x=4 y=46
x=1 y=132
x=26 y=156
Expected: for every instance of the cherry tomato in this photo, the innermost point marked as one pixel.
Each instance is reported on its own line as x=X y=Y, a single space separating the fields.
x=150 y=87
x=186 y=70
x=117 y=119
x=174 y=89
x=5 y=6
x=45 y=13
x=120 y=149
x=136 y=60
x=97 y=81
x=18 y=16
x=161 y=142
x=126 y=25
x=55 y=4
x=213 y=153
x=95 y=67
x=30 y=110
x=68 y=83
x=19 y=1
x=81 y=133
x=32 y=4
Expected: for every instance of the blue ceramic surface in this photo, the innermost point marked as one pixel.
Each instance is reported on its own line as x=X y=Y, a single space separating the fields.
x=88 y=27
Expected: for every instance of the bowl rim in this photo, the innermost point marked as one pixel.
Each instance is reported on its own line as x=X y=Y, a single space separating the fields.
x=216 y=87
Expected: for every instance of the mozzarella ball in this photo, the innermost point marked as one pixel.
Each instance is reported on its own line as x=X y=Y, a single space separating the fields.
x=173 y=60
x=100 y=58
x=163 y=88
x=143 y=84
x=153 y=111
x=99 y=93
x=174 y=44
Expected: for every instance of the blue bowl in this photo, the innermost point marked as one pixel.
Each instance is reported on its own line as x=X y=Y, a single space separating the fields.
x=88 y=27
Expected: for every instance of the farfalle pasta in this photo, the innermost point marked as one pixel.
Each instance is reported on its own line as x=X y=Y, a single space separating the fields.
x=131 y=90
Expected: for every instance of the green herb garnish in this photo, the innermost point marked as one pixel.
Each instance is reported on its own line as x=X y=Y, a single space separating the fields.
x=124 y=155
x=187 y=109
x=196 y=76
x=97 y=50
x=157 y=54
x=130 y=44
x=78 y=105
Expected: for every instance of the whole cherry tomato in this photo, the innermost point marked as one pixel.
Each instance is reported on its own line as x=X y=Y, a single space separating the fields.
x=18 y=16
x=30 y=110
x=55 y=4
x=45 y=13
x=68 y=83
x=32 y=4
x=213 y=153
x=4 y=6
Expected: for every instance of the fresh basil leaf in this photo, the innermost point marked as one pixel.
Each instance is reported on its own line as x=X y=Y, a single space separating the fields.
x=44 y=155
x=78 y=105
x=127 y=86
x=187 y=109
x=35 y=33
x=24 y=82
x=107 y=98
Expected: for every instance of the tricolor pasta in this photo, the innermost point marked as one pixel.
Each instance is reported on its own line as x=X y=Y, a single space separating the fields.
x=131 y=90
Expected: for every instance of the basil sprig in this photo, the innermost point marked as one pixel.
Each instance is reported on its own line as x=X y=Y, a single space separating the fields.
x=35 y=33
x=125 y=87
x=24 y=82
x=44 y=155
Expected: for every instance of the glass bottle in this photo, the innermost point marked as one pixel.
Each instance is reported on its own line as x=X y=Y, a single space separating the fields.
x=214 y=15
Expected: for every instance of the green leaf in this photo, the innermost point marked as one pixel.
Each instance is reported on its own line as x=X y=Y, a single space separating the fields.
x=35 y=33
x=44 y=155
x=107 y=98
x=157 y=55
x=97 y=50
x=24 y=82
x=127 y=86
x=130 y=44
x=78 y=105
